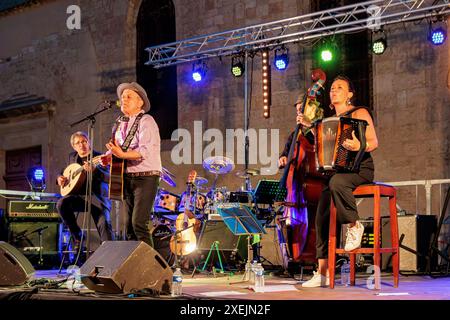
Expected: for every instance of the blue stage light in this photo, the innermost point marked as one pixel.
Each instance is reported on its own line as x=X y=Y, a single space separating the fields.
x=437 y=36
x=198 y=71
x=36 y=178
x=196 y=76
x=38 y=174
x=281 y=59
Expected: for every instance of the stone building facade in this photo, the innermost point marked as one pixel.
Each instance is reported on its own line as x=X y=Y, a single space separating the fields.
x=77 y=69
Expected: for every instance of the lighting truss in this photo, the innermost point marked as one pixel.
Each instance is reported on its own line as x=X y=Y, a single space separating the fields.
x=297 y=29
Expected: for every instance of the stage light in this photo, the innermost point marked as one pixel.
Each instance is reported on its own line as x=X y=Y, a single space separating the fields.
x=237 y=66
x=281 y=59
x=437 y=36
x=379 y=45
x=36 y=178
x=326 y=55
x=266 y=83
x=199 y=71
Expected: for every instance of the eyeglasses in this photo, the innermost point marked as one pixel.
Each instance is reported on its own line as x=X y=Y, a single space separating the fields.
x=79 y=143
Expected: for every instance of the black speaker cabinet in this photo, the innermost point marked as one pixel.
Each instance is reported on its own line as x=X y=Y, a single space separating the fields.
x=270 y=247
x=232 y=247
x=123 y=266
x=15 y=269
x=25 y=236
x=416 y=232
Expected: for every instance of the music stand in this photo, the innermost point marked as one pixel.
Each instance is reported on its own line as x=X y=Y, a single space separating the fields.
x=269 y=191
x=240 y=220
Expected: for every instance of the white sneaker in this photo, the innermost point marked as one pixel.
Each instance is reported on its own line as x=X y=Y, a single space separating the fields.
x=354 y=237
x=317 y=280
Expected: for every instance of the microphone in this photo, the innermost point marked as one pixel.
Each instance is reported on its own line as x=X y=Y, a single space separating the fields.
x=112 y=103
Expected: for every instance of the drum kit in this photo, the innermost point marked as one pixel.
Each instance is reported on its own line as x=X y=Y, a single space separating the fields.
x=168 y=205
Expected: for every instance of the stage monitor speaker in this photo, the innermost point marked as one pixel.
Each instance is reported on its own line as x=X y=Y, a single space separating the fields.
x=24 y=235
x=124 y=266
x=417 y=232
x=15 y=269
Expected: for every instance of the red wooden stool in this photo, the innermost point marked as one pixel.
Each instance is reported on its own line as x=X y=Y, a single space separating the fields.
x=375 y=191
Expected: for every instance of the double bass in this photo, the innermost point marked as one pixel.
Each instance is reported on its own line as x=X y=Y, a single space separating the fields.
x=304 y=184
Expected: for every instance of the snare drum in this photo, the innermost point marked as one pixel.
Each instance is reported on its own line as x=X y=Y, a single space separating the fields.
x=166 y=201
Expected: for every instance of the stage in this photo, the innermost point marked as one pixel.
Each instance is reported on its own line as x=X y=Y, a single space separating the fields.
x=230 y=287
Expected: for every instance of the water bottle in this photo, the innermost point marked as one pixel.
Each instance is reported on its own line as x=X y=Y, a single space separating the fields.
x=248 y=270
x=345 y=274
x=253 y=272
x=259 y=278
x=177 y=280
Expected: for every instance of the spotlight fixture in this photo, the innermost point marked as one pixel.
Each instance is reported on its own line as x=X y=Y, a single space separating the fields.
x=326 y=55
x=437 y=36
x=379 y=45
x=36 y=178
x=327 y=52
x=266 y=82
x=237 y=66
x=199 y=71
x=281 y=59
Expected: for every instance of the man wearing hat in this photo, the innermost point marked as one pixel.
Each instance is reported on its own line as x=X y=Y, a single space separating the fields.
x=142 y=158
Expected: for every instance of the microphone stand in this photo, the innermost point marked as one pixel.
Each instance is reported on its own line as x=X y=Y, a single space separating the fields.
x=41 y=248
x=91 y=118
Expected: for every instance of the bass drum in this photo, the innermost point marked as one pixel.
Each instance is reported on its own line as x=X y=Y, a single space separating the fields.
x=161 y=235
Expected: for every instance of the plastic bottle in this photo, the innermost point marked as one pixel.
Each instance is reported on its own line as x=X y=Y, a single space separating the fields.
x=259 y=278
x=252 y=272
x=177 y=280
x=248 y=270
x=345 y=274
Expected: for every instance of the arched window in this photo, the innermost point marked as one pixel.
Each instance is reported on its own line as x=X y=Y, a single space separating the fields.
x=156 y=25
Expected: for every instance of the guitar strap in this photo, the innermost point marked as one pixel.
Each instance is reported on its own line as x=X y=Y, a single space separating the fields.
x=131 y=133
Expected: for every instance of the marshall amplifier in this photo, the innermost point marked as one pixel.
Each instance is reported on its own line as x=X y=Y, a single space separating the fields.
x=32 y=211
x=34 y=228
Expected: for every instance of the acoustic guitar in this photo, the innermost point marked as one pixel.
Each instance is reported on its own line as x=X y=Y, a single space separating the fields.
x=76 y=176
x=184 y=242
x=116 y=171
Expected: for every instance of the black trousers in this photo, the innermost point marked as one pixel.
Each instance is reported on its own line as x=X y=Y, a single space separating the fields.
x=139 y=194
x=68 y=205
x=340 y=187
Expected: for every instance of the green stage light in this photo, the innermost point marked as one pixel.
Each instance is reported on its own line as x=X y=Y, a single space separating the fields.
x=326 y=55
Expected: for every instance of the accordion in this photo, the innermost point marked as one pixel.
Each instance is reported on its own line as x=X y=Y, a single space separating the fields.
x=330 y=134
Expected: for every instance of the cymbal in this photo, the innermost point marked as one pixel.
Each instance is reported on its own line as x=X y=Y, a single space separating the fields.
x=200 y=181
x=247 y=173
x=168 y=177
x=218 y=165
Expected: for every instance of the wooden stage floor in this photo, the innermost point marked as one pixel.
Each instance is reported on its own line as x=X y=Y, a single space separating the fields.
x=230 y=287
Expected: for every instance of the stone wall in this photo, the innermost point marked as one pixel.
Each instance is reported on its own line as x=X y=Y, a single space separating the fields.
x=77 y=69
